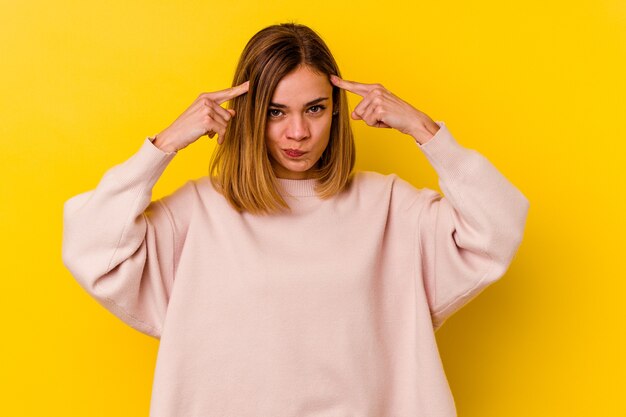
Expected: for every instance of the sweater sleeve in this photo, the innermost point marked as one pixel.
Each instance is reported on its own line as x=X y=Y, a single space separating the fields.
x=467 y=238
x=122 y=247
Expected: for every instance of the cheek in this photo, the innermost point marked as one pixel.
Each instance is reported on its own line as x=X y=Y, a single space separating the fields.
x=324 y=127
x=272 y=133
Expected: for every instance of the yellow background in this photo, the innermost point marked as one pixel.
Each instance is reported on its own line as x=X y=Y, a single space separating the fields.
x=537 y=87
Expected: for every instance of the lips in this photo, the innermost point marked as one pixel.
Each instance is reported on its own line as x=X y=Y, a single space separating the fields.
x=294 y=153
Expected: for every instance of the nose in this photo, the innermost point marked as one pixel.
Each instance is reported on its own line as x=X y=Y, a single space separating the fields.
x=298 y=128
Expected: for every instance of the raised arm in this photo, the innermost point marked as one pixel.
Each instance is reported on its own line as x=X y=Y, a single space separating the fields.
x=124 y=248
x=120 y=246
x=467 y=237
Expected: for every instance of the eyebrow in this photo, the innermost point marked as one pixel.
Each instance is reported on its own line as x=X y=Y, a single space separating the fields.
x=310 y=103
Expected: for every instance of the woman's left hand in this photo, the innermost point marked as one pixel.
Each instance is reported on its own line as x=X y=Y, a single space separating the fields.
x=381 y=108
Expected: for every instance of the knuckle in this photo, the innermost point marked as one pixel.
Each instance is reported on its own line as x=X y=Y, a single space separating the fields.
x=208 y=99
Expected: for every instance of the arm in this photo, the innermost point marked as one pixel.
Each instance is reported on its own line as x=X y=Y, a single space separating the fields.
x=467 y=238
x=121 y=247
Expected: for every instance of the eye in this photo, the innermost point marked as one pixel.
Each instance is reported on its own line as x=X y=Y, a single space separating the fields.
x=274 y=113
x=318 y=108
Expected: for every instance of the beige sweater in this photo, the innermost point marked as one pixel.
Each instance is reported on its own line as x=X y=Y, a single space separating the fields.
x=328 y=311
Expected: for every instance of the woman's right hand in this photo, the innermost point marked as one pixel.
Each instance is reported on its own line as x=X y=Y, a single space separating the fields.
x=205 y=116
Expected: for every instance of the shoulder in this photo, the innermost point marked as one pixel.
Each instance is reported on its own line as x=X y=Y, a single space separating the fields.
x=194 y=188
x=391 y=182
x=400 y=192
x=189 y=194
x=180 y=198
x=193 y=196
x=373 y=180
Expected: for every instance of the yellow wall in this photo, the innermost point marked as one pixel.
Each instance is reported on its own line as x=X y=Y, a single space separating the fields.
x=536 y=87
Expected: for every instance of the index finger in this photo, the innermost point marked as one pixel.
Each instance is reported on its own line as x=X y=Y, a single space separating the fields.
x=352 y=86
x=230 y=93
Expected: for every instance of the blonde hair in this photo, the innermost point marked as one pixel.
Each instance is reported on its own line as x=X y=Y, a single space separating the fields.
x=240 y=168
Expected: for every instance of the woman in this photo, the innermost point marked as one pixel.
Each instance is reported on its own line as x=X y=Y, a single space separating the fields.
x=284 y=284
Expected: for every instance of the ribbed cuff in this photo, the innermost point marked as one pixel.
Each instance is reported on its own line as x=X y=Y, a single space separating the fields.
x=144 y=167
x=445 y=154
x=151 y=140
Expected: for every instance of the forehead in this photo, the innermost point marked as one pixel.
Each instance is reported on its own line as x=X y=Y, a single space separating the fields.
x=301 y=86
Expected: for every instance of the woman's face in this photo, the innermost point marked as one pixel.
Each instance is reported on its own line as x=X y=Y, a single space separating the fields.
x=299 y=118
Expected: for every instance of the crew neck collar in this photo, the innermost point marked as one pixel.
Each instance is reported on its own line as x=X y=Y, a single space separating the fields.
x=298 y=188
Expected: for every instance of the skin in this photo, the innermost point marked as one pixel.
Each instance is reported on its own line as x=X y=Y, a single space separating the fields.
x=295 y=120
x=204 y=116
x=299 y=117
x=381 y=108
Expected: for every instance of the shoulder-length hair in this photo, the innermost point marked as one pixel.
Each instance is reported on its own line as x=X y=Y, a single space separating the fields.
x=240 y=168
